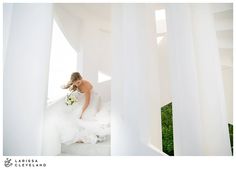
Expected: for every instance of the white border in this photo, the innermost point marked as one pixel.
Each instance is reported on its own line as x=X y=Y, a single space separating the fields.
x=120 y=162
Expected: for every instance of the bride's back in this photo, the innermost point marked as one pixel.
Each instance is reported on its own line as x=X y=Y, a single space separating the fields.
x=85 y=86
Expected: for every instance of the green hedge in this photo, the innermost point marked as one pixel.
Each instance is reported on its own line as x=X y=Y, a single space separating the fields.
x=231 y=136
x=167 y=130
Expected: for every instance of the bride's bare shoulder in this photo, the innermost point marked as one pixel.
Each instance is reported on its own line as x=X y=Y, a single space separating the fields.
x=87 y=84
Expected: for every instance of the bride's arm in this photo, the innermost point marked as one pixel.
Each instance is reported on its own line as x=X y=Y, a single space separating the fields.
x=86 y=103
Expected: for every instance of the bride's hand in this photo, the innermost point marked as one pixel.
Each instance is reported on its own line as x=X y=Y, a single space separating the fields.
x=80 y=117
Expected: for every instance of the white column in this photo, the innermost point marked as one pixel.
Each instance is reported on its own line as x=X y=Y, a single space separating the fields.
x=136 y=121
x=199 y=116
x=25 y=78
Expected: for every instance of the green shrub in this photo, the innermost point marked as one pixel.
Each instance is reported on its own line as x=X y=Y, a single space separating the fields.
x=167 y=129
x=231 y=136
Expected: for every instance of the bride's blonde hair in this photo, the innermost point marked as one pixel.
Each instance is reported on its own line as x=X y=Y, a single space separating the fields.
x=74 y=77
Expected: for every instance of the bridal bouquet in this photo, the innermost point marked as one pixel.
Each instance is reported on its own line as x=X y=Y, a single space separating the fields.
x=70 y=99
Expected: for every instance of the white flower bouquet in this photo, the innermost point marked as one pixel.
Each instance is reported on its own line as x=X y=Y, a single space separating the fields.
x=70 y=99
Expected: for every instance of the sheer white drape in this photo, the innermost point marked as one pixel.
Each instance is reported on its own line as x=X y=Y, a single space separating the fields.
x=7 y=13
x=25 y=78
x=199 y=115
x=136 y=121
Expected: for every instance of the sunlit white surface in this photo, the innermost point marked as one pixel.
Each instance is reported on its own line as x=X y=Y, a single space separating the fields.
x=160 y=21
x=102 y=77
x=62 y=63
x=159 y=39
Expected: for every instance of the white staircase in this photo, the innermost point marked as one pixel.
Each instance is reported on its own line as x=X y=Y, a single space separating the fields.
x=223 y=17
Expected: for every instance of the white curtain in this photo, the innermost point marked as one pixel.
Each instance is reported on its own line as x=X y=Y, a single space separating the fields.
x=136 y=120
x=26 y=77
x=199 y=114
x=7 y=13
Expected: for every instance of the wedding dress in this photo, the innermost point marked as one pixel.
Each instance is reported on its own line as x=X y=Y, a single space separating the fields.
x=63 y=125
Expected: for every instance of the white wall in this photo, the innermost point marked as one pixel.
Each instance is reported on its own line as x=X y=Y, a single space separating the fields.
x=71 y=27
x=25 y=78
x=97 y=55
x=96 y=47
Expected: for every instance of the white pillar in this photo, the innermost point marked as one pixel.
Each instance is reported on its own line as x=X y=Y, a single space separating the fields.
x=136 y=118
x=25 y=78
x=199 y=116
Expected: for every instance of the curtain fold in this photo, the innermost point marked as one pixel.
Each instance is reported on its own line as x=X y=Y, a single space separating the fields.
x=136 y=116
x=199 y=113
x=26 y=78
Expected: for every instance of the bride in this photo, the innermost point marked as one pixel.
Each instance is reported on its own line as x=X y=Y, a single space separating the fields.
x=82 y=122
x=76 y=83
x=86 y=126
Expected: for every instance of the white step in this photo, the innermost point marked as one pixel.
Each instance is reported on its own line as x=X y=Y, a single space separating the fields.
x=226 y=56
x=228 y=14
x=224 y=20
x=219 y=7
x=225 y=39
x=224 y=67
x=224 y=24
x=226 y=52
x=226 y=60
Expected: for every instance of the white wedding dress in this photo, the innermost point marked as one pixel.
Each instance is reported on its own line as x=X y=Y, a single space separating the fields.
x=63 y=126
